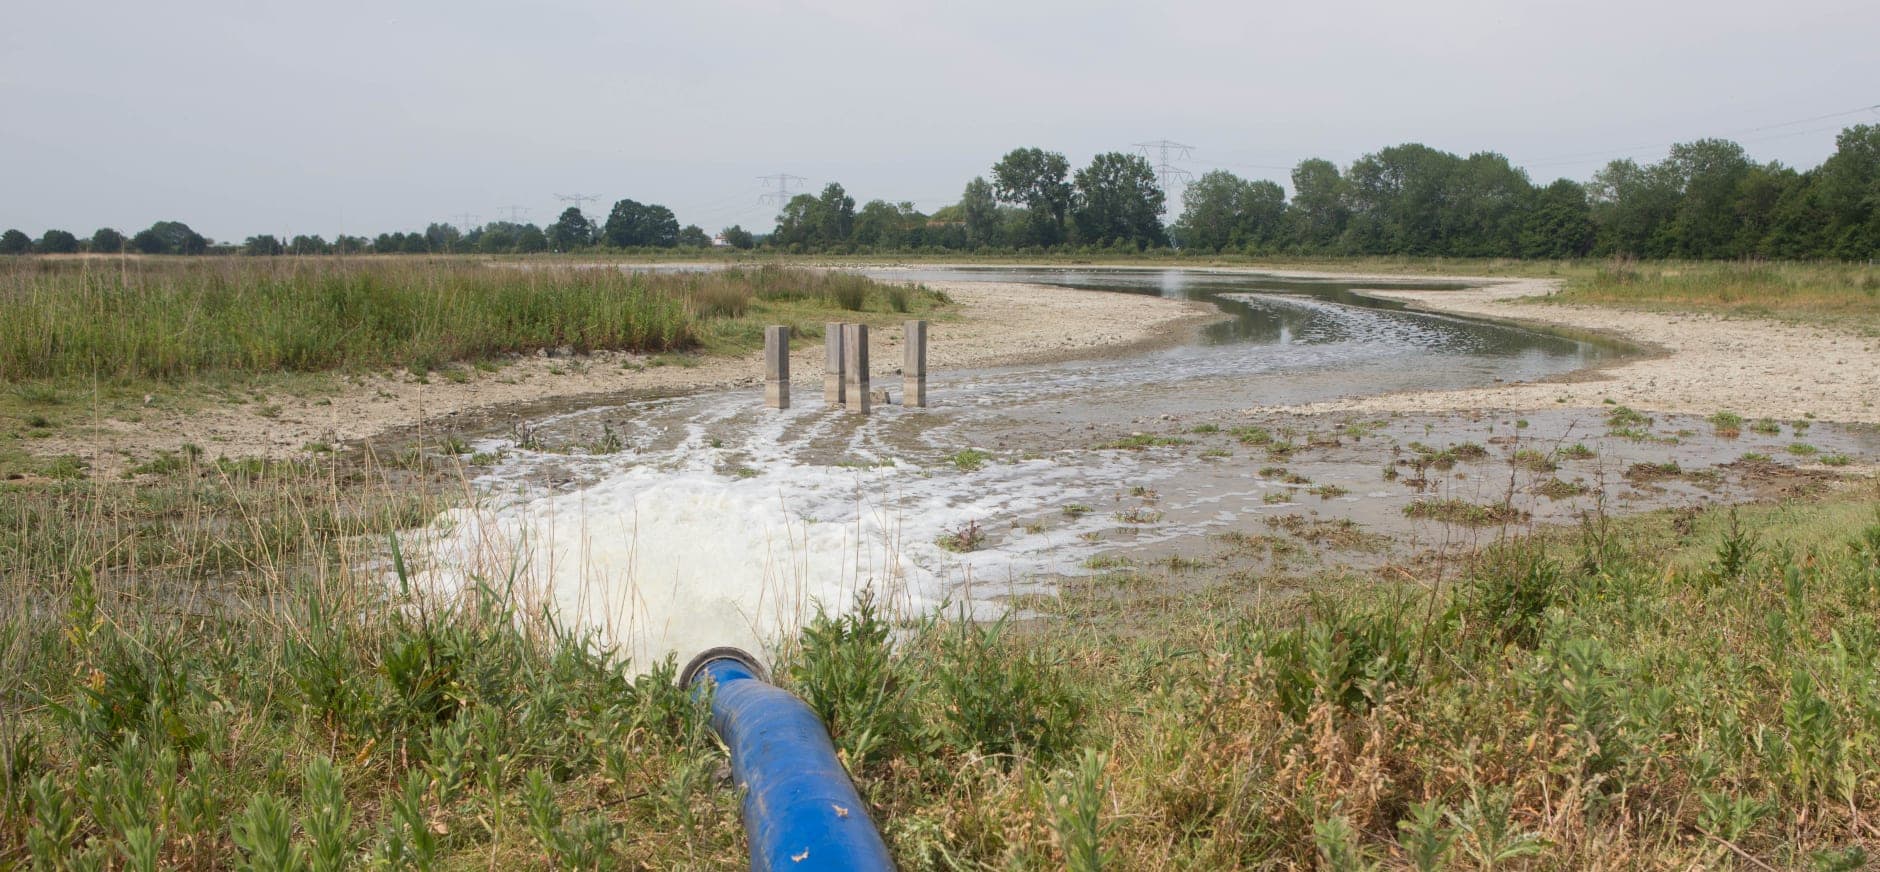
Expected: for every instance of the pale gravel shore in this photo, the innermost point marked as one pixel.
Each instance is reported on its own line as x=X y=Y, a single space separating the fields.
x=1698 y=364
x=997 y=324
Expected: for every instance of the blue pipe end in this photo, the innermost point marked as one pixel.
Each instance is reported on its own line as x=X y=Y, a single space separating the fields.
x=801 y=811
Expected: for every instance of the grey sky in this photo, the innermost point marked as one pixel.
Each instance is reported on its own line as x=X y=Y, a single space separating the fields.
x=268 y=117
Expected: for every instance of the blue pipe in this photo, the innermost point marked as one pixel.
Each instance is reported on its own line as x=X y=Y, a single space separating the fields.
x=801 y=811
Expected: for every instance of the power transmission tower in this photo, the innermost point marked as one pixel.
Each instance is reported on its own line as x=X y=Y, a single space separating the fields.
x=1166 y=151
x=781 y=196
x=577 y=199
x=515 y=213
x=464 y=220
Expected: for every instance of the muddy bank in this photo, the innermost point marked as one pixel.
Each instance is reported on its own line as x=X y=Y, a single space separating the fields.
x=1702 y=363
x=996 y=324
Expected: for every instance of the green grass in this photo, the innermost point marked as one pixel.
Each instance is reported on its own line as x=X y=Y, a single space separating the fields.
x=180 y=318
x=1463 y=512
x=968 y=459
x=1818 y=293
x=1139 y=441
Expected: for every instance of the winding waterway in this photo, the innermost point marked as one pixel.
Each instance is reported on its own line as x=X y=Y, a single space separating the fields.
x=705 y=519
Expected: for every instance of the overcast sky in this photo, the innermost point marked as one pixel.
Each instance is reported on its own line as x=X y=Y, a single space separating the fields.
x=266 y=117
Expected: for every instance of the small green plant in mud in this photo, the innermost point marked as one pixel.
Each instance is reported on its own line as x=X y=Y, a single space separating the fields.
x=968 y=459
x=1252 y=435
x=1803 y=449
x=1282 y=474
x=1533 y=460
x=1766 y=427
x=1107 y=561
x=1390 y=472
x=965 y=539
x=1216 y=453
x=1463 y=512
x=1555 y=489
x=1578 y=451
x=1205 y=428
x=1139 y=441
x=1327 y=491
x=1754 y=457
x=1139 y=516
x=1643 y=472
x=1276 y=498
x=1280 y=449
x=1836 y=459
x=1727 y=425
x=1075 y=510
x=1626 y=418
x=1144 y=492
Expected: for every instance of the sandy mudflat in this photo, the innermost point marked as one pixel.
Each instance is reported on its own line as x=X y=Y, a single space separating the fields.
x=999 y=324
x=1702 y=363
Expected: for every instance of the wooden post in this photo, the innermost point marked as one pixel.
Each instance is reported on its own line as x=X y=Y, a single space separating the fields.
x=855 y=366
x=914 y=365
x=777 y=367
x=832 y=363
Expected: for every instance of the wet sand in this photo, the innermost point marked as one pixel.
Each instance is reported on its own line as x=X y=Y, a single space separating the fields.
x=1701 y=364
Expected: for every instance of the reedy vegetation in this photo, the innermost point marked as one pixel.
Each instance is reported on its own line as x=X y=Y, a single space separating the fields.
x=170 y=319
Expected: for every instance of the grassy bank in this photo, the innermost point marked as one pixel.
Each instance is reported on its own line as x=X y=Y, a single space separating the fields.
x=1844 y=295
x=1677 y=690
x=177 y=318
x=86 y=340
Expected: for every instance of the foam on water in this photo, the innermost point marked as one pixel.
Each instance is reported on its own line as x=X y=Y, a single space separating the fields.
x=661 y=554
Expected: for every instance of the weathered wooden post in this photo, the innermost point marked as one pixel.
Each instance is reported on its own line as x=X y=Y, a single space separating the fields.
x=832 y=363
x=914 y=365
x=777 y=367
x=855 y=366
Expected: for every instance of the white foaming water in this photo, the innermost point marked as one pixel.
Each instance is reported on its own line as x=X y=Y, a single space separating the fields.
x=663 y=555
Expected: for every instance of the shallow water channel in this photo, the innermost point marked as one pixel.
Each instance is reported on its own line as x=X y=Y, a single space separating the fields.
x=673 y=524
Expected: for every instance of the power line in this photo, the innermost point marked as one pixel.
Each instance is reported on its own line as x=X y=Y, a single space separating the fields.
x=781 y=196
x=516 y=213
x=1580 y=157
x=577 y=199
x=1166 y=151
x=465 y=220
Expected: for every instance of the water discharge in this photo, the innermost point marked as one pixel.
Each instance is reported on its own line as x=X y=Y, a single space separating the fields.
x=701 y=520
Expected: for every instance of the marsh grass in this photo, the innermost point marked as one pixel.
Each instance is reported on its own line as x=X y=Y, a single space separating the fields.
x=177 y=318
x=1820 y=293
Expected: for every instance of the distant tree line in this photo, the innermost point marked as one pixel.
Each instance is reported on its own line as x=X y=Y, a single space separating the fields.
x=1706 y=199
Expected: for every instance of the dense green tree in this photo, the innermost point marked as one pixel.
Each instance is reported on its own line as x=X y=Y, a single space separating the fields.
x=1223 y=211
x=343 y=244
x=1633 y=207
x=979 y=208
x=1708 y=174
x=530 y=239
x=816 y=221
x=105 y=240
x=1849 y=194
x=496 y=237
x=262 y=246
x=1036 y=180
x=169 y=237
x=1559 y=223
x=419 y=243
x=1397 y=198
x=738 y=237
x=886 y=225
x=694 y=236
x=634 y=225
x=1319 y=212
x=15 y=242
x=1757 y=199
x=307 y=245
x=571 y=232
x=835 y=215
x=442 y=238
x=1117 y=201
x=56 y=242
